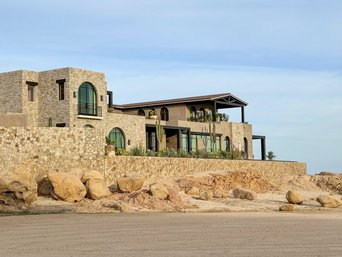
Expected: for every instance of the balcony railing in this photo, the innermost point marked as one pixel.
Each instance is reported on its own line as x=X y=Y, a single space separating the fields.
x=89 y=109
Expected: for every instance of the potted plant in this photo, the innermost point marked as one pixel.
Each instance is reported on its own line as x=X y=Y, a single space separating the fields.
x=152 y=114
x=110 y=145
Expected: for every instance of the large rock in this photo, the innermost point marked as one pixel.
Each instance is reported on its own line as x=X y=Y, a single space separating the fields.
x=97 y=189
x=294 y=197
x=328 y=201
x=96 y=185
x=206 y=195
x=159 y=191
x=244 y=194
x=67 y=187
x=45 y=187
x=92 y=175
x=18 y=187
x=130 y=184
x=286 y=207
x=193 y=191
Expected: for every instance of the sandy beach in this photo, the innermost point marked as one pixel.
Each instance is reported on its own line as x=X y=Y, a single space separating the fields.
x=146 y=234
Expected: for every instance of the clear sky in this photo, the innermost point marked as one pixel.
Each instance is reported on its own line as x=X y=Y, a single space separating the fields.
x=284 y=57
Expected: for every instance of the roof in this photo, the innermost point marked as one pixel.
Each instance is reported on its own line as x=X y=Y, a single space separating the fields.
x=226 y=99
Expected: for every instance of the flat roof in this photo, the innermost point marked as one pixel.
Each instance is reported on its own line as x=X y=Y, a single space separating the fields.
x=227 y=98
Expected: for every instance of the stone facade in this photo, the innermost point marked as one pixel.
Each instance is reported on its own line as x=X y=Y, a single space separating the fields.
x=47 y=109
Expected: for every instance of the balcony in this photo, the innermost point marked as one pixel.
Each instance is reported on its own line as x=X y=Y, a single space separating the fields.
x=88 y=109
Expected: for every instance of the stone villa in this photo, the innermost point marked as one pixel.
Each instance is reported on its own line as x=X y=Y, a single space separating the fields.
x=71 y=97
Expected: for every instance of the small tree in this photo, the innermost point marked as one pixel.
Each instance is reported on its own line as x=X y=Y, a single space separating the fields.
x=270 y=155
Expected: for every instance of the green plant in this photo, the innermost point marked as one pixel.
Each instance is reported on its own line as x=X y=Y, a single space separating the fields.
x=110 y=141
x=235 y=154
x=167 y=152
x=183 y=153
x=152 y=112
x=121 y=151
x=271 y=156
x=137 y=151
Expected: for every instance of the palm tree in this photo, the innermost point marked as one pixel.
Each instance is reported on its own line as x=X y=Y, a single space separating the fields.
x=270 y=155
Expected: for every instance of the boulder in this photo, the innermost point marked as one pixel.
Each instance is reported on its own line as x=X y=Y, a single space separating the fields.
x=96 y=185
x=130 y=184
x=45 y=187
x=286 y=207
x=97 y=189
x=193 y=191
x=18 y=187
x=328 y=201
x=244 y=194
x=159 y=191
x=206 y=195
x=219 y=194
x=294 y=197
x=67 y=187
x=92 y=175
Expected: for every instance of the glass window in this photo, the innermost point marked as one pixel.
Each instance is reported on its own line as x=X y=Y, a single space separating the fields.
x=30 y=93
x=193 y=112
x=185 y=142
x=141 y=112
x=245 y=146
x=118 y=136
x=61 y=91
x=208 y=140
x=87 y=99
x=194 y=146
x=218 y=143
x=227 y=144
x=164 y=114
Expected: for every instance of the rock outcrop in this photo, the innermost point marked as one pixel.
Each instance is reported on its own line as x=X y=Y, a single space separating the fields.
x=328 y=201
x=67 y=187
x=242 y=193
x=18 y=187
x=130 y=183
x=330 y=182
x=294 y=197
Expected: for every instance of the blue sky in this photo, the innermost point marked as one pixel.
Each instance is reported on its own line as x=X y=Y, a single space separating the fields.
x=284 y=57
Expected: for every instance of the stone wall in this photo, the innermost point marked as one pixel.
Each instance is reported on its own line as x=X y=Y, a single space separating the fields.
x=60 y=149
x=13 y=120
x=52 y=149
x=11 y=92
x=164 y=167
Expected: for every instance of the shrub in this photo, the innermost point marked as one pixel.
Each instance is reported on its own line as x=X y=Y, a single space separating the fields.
x=137 y=151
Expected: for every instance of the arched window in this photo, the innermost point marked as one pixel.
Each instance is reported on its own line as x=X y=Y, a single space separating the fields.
x=88 y=126
x=193 y=112
x=118 y=136
x=227 y=144
x=87 y=99
x=164 y=113
x=141 y=112
x=202 y=114
x=245 y=147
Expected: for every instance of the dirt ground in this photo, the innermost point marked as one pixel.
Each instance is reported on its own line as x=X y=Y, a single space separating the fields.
x=174 y=234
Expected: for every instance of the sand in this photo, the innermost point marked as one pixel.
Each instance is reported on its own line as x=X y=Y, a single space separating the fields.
x=191 y=234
